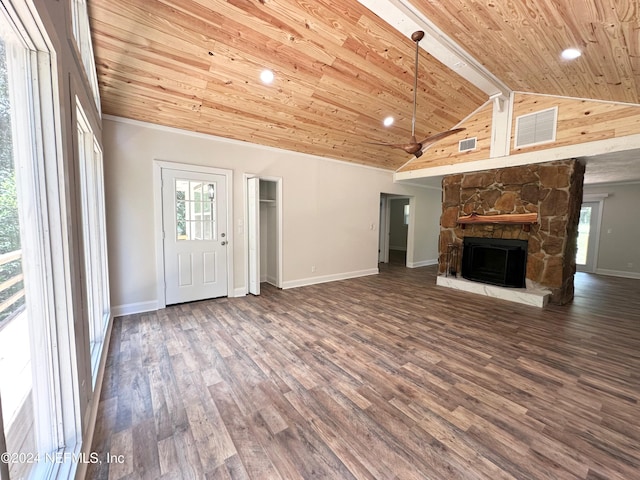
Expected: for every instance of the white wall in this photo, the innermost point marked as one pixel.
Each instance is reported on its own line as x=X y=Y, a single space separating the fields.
x=620 y=230
x=328 y=208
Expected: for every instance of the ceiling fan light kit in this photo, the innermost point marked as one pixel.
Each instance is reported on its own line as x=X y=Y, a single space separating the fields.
x=414 y=147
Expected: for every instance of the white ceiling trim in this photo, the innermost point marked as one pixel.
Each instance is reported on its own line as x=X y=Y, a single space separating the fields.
x=405 y=18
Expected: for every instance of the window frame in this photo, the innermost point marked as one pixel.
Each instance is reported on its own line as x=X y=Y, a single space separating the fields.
x=37 y=129
x=94 y=232
x=84 y=46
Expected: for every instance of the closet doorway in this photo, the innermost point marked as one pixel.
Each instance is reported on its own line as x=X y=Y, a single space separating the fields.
x=264 y=232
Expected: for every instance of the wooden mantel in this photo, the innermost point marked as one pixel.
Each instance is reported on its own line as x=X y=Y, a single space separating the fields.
x=524 y=219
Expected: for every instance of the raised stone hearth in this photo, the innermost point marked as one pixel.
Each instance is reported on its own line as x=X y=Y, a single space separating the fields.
x=553 y=190
x=536 y=297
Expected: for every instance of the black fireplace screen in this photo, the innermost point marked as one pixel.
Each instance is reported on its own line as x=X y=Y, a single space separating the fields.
x=495 y=261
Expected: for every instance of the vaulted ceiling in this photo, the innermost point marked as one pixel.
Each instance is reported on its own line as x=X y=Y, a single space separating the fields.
x=340 y=68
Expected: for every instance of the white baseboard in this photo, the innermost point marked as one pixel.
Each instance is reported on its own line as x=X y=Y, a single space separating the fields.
x=131 y=308
x=617 y=273
x=328 y=278
x=422 y=263
x=142 y=307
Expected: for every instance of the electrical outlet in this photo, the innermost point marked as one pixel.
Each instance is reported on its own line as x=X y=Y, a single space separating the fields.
x=313 y=268
x=629 y=265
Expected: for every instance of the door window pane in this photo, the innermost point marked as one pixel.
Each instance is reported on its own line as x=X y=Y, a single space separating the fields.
x=584 y=228
x=195 y=210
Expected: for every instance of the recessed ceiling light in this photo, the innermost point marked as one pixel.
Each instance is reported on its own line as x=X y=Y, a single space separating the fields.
x=571 y=53
x=387 y=122
x=266 y=76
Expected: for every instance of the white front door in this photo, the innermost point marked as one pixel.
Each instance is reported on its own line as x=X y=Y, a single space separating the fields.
x=194 y=218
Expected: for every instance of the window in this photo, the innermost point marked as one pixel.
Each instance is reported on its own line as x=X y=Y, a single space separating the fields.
x=16 y=385
x=39 y=391
x=195 y=210
x=406 y=215
x=94 y=236
x=584 y=227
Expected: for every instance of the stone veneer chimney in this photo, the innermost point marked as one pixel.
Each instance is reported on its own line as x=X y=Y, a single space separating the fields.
x=553 y=190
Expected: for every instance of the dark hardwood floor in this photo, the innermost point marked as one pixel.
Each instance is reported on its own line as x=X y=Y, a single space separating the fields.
x=380 y=377
x=398 y=257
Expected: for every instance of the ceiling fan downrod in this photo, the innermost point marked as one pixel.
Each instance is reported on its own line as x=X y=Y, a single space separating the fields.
x=416 y=37
x=414 y=147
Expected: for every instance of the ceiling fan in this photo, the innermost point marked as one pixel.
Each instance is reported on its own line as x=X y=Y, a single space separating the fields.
x=414 y=147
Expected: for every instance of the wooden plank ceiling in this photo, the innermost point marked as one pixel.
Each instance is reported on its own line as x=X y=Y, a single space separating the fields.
x=340 y=69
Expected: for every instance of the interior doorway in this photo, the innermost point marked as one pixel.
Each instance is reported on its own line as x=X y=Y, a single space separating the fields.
x=264 y=232
x=395 y=240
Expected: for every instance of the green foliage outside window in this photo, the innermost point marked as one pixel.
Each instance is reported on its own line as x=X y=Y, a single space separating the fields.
x=9 y=221
x=181 y=214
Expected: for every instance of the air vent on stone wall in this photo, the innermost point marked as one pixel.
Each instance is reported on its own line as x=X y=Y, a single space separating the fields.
x=467 y=144
x=535 y=128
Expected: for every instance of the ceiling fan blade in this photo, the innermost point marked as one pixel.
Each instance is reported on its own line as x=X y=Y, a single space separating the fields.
x=412 y=148
x=439 y=136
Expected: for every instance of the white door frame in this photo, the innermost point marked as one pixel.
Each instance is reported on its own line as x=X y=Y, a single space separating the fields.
x=279 y=209
x=158 y=166
x=385 y=230
x=253 y=234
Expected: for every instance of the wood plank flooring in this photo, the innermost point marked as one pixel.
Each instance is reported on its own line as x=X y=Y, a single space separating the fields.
x=380 y=377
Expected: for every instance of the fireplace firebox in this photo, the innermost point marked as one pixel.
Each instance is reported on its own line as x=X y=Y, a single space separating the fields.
x=495 y=261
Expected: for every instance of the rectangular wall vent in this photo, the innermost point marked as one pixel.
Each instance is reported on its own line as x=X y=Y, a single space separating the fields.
x=536 y=128
x=467 y=144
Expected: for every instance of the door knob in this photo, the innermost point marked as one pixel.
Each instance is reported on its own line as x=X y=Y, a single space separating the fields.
x=223 y=243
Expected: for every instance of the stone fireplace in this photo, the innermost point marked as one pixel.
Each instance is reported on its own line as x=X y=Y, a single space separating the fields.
x=553 y=190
